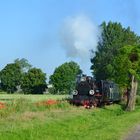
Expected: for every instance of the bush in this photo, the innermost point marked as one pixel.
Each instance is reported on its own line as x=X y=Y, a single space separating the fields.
x=52 y=91
x=138 y=100
x=2 y=92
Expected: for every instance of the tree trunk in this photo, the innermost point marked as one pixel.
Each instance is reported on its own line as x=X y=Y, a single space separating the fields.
x=132 y=95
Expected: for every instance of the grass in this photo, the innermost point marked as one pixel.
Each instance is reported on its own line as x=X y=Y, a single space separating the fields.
x=34 y=98
x=26 y=121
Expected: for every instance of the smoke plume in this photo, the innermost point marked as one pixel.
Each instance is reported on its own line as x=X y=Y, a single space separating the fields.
x=78 y=36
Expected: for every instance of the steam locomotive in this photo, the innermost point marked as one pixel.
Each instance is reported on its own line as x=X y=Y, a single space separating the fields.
x=89 y=92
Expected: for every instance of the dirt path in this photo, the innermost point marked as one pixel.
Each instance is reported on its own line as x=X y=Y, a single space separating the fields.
x=135 y=134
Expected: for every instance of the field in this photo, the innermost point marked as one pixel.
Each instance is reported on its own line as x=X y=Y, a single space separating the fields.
x=24 y=118
x=34 y=98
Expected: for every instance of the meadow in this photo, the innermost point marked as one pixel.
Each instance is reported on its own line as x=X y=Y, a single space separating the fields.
x=26 y=117
x=34 y=98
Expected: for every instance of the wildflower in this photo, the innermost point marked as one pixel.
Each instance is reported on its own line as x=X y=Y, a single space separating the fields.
x=2 y=105
x=46 y=103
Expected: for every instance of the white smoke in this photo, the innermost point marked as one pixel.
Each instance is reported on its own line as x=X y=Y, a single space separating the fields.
x=79 y=35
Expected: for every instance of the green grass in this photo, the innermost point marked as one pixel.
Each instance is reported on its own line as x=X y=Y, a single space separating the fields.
x=34 y=98
x=23 y=120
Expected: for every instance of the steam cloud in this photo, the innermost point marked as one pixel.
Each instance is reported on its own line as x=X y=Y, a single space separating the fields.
x=78 y=36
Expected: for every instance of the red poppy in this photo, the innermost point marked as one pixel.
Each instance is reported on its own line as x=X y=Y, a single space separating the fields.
x=2 y=105
x=48 y=102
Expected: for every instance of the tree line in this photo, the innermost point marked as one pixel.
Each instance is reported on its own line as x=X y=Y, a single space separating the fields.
x=21 y=76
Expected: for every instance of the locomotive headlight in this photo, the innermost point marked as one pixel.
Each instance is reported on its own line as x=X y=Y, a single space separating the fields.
x=75 y=92
x=91 y=92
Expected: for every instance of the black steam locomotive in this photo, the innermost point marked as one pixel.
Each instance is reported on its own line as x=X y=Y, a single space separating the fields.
x=89 y=92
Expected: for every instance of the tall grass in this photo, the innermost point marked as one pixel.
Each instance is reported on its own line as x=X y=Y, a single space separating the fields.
x=66 y=122
x=33 y=98
x=27 y=119
x=23 y=105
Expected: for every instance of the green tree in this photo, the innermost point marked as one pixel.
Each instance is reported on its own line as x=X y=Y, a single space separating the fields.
x=128 y=71
x=23 y=63
x=113 y=37
x=10 y=77
x=64 y=76
x=34 y=81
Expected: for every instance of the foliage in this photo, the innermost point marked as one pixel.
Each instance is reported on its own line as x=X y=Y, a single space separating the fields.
x=63 y=78
x=127 y=63
x=11 y=77
x=34 y=81
x=127 y=72
x=113 y=37
x=51 y=90
x=138 y=100
x=138 y=88
x=23 y=63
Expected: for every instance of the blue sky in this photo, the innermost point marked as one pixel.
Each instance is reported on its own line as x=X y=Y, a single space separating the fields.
x=30 y=28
